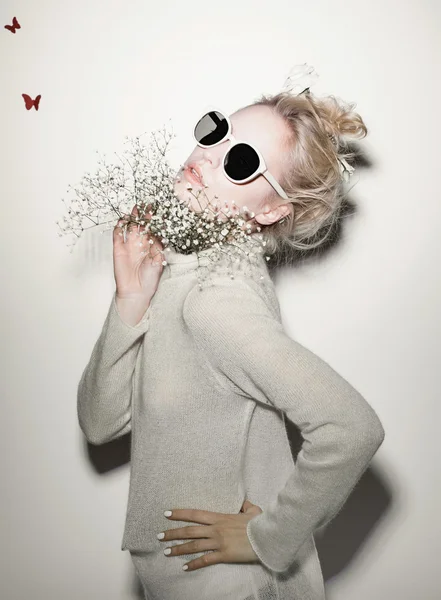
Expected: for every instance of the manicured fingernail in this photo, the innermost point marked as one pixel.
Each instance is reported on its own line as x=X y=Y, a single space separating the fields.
x=167 y=551
x=185 y=567
x=167 y=513
x=161 y=536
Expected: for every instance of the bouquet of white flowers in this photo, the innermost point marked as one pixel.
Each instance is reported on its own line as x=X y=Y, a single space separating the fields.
x=144 y=177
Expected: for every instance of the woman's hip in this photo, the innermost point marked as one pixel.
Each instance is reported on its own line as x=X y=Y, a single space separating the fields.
x=162 y=578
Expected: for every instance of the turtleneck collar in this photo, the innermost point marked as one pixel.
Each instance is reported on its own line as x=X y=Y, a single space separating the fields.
x=231 y=255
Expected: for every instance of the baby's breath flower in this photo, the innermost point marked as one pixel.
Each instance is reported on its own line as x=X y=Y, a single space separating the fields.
x=145 y=178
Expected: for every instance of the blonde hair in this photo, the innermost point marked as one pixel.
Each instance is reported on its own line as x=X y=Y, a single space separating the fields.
x=317 y=132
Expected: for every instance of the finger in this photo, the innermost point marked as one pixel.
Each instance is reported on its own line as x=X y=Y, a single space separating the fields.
x=121 y=221
x=134 y=223
x=125 y=231
x=120 y=231
x=211 y=558
x=146 y=209
x=145 y=214
x=184 y=533
x=193 y=547
x=194 y=515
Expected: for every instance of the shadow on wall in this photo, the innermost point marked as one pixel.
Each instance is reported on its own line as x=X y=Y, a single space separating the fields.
x=104 y=458
x=343 y=538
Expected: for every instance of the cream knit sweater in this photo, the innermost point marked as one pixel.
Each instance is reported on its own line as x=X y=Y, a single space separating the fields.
x=204 y=382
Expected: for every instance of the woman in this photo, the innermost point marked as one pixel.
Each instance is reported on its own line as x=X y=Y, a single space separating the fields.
x=203 y=375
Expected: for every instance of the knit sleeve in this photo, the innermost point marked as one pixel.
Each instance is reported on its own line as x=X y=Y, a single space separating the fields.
x=105 y=389
x=233 y=326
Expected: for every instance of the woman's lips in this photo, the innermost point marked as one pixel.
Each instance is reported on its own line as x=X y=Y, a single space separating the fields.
x=189 y=176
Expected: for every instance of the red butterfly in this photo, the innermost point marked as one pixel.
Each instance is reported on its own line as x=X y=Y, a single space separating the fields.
x=15 y=25
x=30 y=103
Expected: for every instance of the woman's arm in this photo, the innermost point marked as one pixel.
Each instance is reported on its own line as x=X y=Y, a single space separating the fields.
x=105 y=389
x=236 y=330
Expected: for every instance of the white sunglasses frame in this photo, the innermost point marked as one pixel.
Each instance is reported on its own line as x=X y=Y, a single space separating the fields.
x=262 y=170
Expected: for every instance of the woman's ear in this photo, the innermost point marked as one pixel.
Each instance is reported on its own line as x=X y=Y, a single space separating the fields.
x=272 y=215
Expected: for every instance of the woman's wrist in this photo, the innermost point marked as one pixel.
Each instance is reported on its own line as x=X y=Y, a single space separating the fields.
x=131 y=308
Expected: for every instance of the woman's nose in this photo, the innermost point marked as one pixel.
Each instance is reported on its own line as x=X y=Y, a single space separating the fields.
x=211 y=157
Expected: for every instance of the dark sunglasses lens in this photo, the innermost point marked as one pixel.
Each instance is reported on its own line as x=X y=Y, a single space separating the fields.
x=241 y=162
x=212 y=128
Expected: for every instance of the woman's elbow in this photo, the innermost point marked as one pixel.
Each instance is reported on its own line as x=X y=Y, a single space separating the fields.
x=97 y=435
x=378 y=433
x=369 y=434
x=92 y=432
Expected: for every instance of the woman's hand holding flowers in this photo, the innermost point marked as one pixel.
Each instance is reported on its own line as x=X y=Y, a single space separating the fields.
x=137 y=259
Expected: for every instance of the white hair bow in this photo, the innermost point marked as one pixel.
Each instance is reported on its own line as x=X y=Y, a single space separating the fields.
x=300 y=79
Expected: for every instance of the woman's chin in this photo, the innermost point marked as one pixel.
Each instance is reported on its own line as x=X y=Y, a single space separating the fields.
x=196 y=199
x=182 y=194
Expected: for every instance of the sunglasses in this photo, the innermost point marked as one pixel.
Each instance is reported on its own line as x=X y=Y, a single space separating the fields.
x=242 y=161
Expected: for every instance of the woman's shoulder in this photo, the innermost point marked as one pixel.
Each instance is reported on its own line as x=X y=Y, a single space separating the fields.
x=229 y=297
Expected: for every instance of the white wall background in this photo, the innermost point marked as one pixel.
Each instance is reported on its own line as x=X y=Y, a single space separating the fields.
x=371 y=308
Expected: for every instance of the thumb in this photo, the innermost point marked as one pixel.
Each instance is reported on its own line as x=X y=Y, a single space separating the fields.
x=246 y=506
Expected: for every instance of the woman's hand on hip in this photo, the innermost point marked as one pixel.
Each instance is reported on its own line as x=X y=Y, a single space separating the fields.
x=222 y=533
